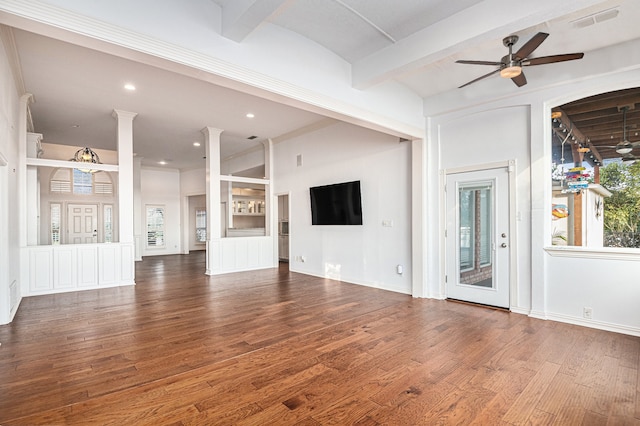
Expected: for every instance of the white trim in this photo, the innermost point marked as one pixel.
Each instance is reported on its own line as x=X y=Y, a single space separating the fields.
x=43 y=162
x=370 y=284
x=520 y=311
x=600 y=190
x=538 y=314
x=228 y=178
x=609 y=253
x=480 y=167
x=510 y=166
x=600 y=325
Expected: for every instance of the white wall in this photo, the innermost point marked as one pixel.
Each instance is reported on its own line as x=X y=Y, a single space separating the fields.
x=162 y=188
x=496 y=120
x=366 y=254
x=9 y=222
x=192 y=182
x=610 y=287
x=491 y=136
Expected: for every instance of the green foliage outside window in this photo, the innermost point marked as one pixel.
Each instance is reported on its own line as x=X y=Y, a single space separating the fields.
x=622 y=209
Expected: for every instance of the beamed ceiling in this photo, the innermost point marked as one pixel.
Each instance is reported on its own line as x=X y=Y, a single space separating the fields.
x=598 y=123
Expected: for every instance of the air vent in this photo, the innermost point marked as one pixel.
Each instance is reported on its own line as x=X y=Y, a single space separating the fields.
x=602 y=16
x=252 y=138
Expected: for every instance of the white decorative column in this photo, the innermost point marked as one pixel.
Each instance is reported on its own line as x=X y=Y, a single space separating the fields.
x=22 y=165
x=125 y=174
x=33 y=191
x=137 y=208
x=22 y=191
x=419 y=223
x=212 y=152
x=126 y=238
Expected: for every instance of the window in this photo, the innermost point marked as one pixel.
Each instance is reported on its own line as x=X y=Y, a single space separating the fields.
x=80 y=183
x=55 y=224
x=108 y=223
x=595 y=172
x=201 y=225
x=60 y=181
x=155 y=226
x=475 y=228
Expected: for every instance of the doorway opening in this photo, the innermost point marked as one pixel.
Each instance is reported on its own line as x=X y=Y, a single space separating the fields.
x=478 y=236
x=283 y=230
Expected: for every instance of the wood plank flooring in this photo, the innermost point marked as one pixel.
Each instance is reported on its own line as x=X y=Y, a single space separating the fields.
x=278 y=348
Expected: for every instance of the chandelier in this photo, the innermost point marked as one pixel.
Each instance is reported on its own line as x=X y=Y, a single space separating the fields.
x=86 y=155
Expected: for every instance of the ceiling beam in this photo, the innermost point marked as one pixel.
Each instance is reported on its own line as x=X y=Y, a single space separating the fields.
x=598 y=104
x=484 y=22
x=241 y=17
x=580 y=138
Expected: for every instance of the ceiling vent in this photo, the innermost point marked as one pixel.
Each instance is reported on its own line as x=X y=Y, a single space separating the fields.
x=596 y=18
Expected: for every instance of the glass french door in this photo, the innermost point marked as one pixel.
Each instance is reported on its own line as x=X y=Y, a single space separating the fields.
x=477 y=249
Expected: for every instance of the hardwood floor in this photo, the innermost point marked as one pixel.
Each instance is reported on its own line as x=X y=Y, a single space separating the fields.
x=274 y=347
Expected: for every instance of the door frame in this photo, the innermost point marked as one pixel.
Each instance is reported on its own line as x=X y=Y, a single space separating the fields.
x=276 y=226
x=510 y=166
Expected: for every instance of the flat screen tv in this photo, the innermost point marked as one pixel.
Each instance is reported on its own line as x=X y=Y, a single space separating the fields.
x=337 y=204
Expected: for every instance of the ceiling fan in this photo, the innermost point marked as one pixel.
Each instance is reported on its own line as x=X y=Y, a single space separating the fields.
x=624 y=147
x=510 y=66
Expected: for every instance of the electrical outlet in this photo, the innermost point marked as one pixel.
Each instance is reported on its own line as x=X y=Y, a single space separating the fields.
x=587 y=313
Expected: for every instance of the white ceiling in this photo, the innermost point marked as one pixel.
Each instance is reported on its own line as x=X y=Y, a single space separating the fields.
x=76 y=86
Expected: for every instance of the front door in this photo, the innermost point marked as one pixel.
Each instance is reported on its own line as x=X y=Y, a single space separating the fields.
x=82 y=223
x=477 y=237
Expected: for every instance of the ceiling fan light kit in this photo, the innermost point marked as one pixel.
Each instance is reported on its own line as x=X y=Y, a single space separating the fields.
x=511 y=71
x=624 y=149
x=510 y=66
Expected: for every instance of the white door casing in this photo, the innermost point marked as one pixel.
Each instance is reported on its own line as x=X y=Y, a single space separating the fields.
x=478 y=237
x=82 y=223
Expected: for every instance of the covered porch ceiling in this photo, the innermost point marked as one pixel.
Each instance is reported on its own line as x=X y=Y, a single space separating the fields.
x=600 y=124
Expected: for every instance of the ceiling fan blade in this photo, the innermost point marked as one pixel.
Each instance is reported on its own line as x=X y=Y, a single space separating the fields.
x=497 y=64
x=553 y=58
x=530 y=46
x=519 y=80
x=480 y=78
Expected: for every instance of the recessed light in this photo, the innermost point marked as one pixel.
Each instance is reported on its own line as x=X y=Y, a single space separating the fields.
x=162 y=163
x=196 y=144
x=250 y=115
x=75 y=126
x=130 y=87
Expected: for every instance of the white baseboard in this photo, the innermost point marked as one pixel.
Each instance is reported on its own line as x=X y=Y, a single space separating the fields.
x=521 y=311
x=600 y=325
x=380 y=286
x=538 y=314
